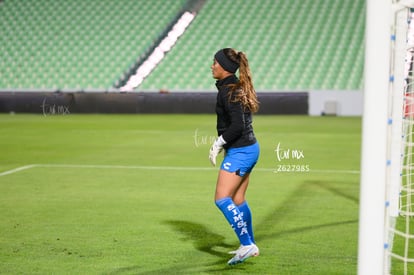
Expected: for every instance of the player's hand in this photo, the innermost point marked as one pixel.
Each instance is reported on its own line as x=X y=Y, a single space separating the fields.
x=215 y=149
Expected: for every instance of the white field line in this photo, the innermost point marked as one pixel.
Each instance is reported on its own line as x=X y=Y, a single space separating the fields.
x=174 y=168
x=18 y=169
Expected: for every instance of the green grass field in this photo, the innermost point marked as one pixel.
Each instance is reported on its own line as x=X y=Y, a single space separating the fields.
x=133 y=194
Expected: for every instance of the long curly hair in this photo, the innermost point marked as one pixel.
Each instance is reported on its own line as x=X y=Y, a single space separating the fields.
x=243 y=91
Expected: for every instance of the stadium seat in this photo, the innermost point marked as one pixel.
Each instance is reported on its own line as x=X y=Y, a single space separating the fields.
x=291 y=45
x=55 y=40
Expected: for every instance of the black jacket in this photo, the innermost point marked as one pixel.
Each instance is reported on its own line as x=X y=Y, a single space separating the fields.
x=233 y=122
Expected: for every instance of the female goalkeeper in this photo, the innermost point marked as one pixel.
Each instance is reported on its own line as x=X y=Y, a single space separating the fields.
x=236 y=101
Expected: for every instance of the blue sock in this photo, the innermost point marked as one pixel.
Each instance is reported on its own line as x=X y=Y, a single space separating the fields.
x=247 y=218
x=235 y=219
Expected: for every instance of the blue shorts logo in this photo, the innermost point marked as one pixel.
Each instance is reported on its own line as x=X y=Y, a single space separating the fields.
x=227 y=165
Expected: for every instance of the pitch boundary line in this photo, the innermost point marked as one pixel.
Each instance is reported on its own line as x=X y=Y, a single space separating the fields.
x=18 y=169
x=174 y=168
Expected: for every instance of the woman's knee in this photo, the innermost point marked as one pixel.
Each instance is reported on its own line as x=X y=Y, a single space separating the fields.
x=227 y=184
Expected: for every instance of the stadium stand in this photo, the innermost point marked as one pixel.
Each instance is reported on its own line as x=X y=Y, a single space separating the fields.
x=291 y=45
x=76 y=44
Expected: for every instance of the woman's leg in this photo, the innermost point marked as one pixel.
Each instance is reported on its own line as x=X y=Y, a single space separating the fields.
x=239 y=195
x=228 y=185
x=240 y=201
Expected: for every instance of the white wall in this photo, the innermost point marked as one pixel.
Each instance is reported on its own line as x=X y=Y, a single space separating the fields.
x=344 y=103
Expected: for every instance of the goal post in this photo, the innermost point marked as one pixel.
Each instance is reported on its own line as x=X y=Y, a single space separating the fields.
x=386 y=138
x=374 y=138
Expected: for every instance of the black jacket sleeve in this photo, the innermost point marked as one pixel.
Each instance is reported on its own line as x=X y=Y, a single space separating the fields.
x=236 y=127
x=234 y=123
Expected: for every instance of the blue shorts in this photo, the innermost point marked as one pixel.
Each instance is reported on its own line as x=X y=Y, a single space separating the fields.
x=241 y=160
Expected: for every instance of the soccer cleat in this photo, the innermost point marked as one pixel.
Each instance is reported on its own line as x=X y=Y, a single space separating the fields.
x=235 y=251
x=243 y=253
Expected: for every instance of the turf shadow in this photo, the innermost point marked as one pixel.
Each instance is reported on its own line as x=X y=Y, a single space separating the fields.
x=207 y=241
x=214 y=268
x=203 y=239
x=334 y=190
x=288 y=210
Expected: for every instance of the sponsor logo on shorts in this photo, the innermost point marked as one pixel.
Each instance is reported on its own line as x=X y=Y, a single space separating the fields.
x=227 y=165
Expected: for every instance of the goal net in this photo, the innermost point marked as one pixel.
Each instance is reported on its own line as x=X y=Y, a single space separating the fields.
x=386 y=223
x=399 y=212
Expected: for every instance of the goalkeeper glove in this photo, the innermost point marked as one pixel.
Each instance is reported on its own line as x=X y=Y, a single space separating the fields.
x=215 y=149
